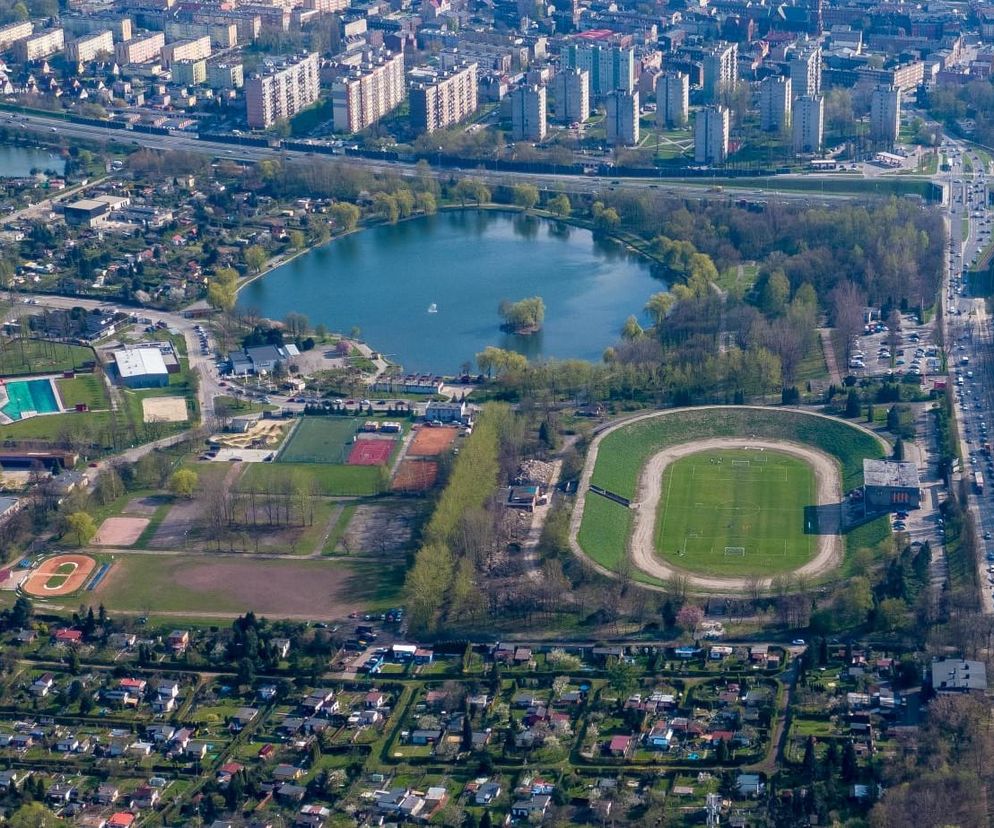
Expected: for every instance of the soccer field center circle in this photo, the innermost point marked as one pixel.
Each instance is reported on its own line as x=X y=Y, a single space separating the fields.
x=608 y=535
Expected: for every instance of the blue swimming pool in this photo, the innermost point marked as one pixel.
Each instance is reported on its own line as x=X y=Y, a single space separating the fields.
x=35 y=395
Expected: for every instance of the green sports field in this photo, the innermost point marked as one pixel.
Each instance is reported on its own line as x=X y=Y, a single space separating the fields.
x=736 y=512
x=320 y=440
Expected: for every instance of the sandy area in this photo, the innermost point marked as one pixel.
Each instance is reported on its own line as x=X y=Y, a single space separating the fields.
x=828 y=488
x=35 y=584
x=164 y=409
x=120 y=531
x=143 y=506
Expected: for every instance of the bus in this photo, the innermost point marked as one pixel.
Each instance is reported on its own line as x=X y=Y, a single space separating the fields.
x=978 y=481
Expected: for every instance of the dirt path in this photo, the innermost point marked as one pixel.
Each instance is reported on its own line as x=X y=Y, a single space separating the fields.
x=830 y=361
x=642 y=544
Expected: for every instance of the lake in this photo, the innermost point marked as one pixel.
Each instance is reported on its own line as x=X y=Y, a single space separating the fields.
x=385 y=279
x=17 y=162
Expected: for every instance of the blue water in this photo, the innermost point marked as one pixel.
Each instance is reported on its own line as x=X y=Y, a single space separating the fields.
x=17 y=162
x=29 y=395
x=384 y=280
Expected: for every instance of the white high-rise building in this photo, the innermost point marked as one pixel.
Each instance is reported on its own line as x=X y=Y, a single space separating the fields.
x=809 y=124
x=368 y=92
x=672 y=99
x=720 y=71
x=885 y=114
x=622 y=120
x=805 y=71
x=572 y=91
x=608 y=66
x=528 y=113
x=440 y=100
x=774 y=104
x=282 y=92
x=711 y=127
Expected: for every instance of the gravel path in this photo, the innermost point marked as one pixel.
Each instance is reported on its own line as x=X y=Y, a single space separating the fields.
x=642 y=545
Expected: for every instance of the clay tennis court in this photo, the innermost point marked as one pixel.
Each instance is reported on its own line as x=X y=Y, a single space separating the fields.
x=415 y=476
x=120 y=531
x=428 y=442
x=164 y=410
x=370 y=452
x=66 y=581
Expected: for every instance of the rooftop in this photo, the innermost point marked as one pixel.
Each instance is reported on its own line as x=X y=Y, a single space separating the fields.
x=139 y=362
x=888 y=473
x=959 y=674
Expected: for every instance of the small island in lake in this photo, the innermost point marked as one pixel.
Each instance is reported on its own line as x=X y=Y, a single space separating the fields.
x=524 y=317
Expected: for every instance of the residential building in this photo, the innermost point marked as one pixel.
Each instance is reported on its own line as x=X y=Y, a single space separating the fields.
x=608 y=61
x=672 y=99
x=368 y=92
x=775 y=104
x=711 y=127
x=81 y=24
x=197 y=49
x=720 y=71
x=441 y=100
x=805 y=71
x=528 y=113
x=885 y=114
x=40 y=46
x=89 y=47
x=282 y=92
x=140 y=49
x=190 y=72
x=13 y=32
x=571 y=89
x=222 y=35
x=808 y=123
x=225 y=75
x=622 y=121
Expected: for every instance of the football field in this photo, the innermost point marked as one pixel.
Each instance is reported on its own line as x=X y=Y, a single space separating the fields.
x=736 y=512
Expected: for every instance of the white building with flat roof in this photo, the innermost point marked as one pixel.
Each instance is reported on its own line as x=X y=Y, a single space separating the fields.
x=141 y=367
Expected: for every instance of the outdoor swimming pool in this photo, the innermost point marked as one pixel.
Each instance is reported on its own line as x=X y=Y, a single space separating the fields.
x=29 y=395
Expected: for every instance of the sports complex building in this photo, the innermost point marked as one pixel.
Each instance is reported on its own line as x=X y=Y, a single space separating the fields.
x=891 y=487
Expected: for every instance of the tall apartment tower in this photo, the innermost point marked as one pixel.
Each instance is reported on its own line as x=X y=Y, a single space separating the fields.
x=885 y=114
x=528 y=113
x=282 y=92
x=805 y=71
x=809 y=123
x=720 y=70
x=368 y=92
x=572 y=91
x=672 y=99
x=608 y=66
x=622 y=120
x=711 y=125
x=774 y=104
x=439 y=101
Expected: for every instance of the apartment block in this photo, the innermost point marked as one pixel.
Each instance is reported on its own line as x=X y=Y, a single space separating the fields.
x=77 y=25
x=326 y=6
x=809 y=124
x=247 y=24
x=189 y=72
x=672 y=99
x=528 y=113
x=439 y=101
x=571 y=88
x=40 y=46
x=805 y=71
x=368 y=91
x=885 y=114
x=282 y=92
x=622 y=121
x=225 y=75
x=197 y=49
x=15 y=31
x=608 y=64
x=720 y=71
x=141 y=49
x=89 y=47
x=711 y=127
x=775 y=104
x=222 y=35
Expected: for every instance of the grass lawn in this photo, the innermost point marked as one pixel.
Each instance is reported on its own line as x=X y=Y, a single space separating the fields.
x=37 y=356
x=338 y=530
x=320 y=440
x=713 y=501
x=605 y=526
x=327 y=479
x=235 y=406
x=88 y=389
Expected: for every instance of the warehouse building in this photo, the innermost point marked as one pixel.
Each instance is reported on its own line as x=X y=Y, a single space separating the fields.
x=141 y=367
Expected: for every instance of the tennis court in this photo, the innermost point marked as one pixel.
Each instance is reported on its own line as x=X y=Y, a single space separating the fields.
x=370 y=452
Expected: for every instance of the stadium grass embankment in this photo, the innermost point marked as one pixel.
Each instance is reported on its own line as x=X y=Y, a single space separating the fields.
x=600 y=529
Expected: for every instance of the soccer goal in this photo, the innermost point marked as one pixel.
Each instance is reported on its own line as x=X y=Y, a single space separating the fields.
x=741 y=464
x=735 y=551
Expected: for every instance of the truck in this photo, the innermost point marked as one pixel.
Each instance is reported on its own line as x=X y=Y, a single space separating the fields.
x=978 y=481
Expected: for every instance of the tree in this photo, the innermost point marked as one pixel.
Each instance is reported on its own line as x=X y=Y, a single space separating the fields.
x=255 y=257
x=345 y=215
x=853 y=404
x=560 y=205
x=471 y=189
x=386 y=207
x=34 y=815
x=776 y=292
x=498 y=362
x=631 y=330
x=183 y=482
x=222 y=289
x=297 y=239
x=525 y=195
x=605 y=218
x=467 y=732
x=525 y=316
x=689 y=618
x=426 y=203
x=622 y=678
x=81 y=526
x=659 y=305
x=856 y=600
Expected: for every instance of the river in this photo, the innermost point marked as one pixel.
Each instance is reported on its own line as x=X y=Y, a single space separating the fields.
x=461 y=264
